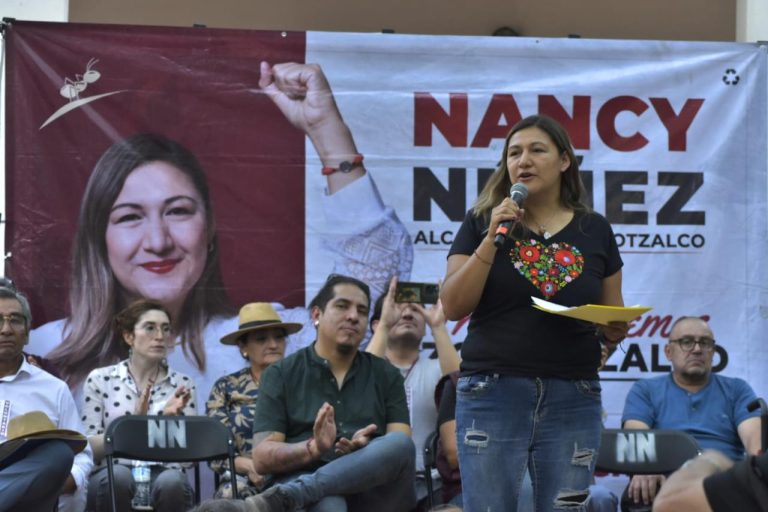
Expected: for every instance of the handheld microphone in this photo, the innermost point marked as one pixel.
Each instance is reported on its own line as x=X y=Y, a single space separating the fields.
x=517 y=193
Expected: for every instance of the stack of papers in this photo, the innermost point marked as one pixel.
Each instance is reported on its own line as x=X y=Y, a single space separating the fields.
x=594 y=313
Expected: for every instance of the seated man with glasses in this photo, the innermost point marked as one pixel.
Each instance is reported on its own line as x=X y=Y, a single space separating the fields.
x=43 y=455
x=710 y=407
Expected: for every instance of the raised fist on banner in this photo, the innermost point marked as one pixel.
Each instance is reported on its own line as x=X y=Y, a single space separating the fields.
x=303 y=95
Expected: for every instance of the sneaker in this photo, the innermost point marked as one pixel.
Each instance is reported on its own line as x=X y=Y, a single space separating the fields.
x=273 y=499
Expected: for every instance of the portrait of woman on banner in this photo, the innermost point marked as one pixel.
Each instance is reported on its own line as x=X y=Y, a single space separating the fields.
x=147 y=229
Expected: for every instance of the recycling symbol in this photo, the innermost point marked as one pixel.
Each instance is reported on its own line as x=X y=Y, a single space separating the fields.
x=730 y=77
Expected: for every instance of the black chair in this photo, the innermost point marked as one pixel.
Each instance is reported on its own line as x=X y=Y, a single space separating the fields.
x=430 y=463
x=644 y=452
x=168 y=439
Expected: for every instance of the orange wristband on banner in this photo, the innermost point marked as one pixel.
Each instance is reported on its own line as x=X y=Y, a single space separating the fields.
x=345 y=166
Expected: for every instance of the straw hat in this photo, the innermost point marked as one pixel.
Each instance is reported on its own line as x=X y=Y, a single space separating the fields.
x=34 y=426
x=257 y=316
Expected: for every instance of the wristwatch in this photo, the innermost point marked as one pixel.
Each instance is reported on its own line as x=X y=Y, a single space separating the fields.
x=345 y=166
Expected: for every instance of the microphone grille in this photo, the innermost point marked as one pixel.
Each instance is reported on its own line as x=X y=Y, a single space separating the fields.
x=519 y=188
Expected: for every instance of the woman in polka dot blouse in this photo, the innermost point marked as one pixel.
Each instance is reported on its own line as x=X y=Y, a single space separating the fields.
x=141 y=384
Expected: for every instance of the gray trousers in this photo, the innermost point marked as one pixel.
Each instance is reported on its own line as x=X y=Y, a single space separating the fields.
x=170 y=490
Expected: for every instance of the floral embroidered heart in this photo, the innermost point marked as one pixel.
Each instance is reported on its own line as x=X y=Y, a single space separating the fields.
x=549 y=268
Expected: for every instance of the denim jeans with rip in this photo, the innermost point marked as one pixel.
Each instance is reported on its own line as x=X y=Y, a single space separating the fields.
x=507 y=426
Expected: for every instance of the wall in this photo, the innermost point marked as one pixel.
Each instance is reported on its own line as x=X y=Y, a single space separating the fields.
x=696 y=20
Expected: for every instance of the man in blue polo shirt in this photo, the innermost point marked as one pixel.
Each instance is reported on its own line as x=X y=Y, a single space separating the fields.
x=710 y=407
x=331 y=422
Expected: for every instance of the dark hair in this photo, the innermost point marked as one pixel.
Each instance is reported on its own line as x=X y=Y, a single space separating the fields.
x=572 y=189
x=95 y=295
x=505 y=31
x=328 y=292
x=126 y=320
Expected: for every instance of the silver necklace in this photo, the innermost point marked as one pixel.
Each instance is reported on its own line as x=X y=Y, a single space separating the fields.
x=543 y=231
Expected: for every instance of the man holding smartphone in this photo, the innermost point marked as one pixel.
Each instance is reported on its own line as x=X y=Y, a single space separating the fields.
x=398 y=330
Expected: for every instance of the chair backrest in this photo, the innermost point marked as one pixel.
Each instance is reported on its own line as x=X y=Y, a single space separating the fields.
x=430 y=449
x=168 y=439
x=644 y=452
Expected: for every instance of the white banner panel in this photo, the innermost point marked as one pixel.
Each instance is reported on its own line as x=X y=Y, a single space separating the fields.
x=673 y=141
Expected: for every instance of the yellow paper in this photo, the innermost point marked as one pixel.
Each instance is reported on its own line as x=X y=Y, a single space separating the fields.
x=594 y=313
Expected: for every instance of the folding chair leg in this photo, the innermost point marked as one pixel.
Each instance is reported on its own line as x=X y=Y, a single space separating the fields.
x=111 y=481
x=430 y=489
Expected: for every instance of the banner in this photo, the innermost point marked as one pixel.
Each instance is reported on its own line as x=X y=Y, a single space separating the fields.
x=673 y=144
x=672 y=138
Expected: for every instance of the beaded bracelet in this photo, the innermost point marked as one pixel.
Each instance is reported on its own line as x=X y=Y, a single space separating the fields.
x=489 y=263
x=309 y=451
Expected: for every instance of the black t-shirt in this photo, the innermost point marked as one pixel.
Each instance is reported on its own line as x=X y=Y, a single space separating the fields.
x=506 y=334
x=447 y=410
x=743 y=488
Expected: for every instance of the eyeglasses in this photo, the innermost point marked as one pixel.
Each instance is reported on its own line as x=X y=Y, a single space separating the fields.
x=151 y=330
x=688 y=342
x=17 y=322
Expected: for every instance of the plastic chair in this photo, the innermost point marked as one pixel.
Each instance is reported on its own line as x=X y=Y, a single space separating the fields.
x=644 y=452
x=167 y=439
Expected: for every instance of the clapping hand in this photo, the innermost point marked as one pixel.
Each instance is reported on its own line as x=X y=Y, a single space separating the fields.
x=143 y=404
x=360 y=439
x=175 y=405
x=324 y=430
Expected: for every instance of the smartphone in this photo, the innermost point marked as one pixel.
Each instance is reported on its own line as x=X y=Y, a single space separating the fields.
x=420 y=293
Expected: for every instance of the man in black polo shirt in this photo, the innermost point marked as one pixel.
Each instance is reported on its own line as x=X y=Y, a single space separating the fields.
x=331 y=423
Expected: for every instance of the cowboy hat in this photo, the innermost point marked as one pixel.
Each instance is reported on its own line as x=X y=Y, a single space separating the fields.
x=32 y=427
x=257 y=316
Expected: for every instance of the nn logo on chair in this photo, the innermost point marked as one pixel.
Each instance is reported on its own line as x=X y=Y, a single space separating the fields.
x=162 y=433
x=636 y=447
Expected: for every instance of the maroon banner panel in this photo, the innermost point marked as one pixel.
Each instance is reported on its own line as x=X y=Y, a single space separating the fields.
x=74 y=90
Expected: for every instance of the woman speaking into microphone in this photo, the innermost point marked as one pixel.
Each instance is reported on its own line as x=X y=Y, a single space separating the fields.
x=529 y=396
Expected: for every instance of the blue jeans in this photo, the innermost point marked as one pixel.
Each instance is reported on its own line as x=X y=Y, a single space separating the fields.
x=506 y=426
x=377 y=478
x=33 y=482
x=601 y=499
